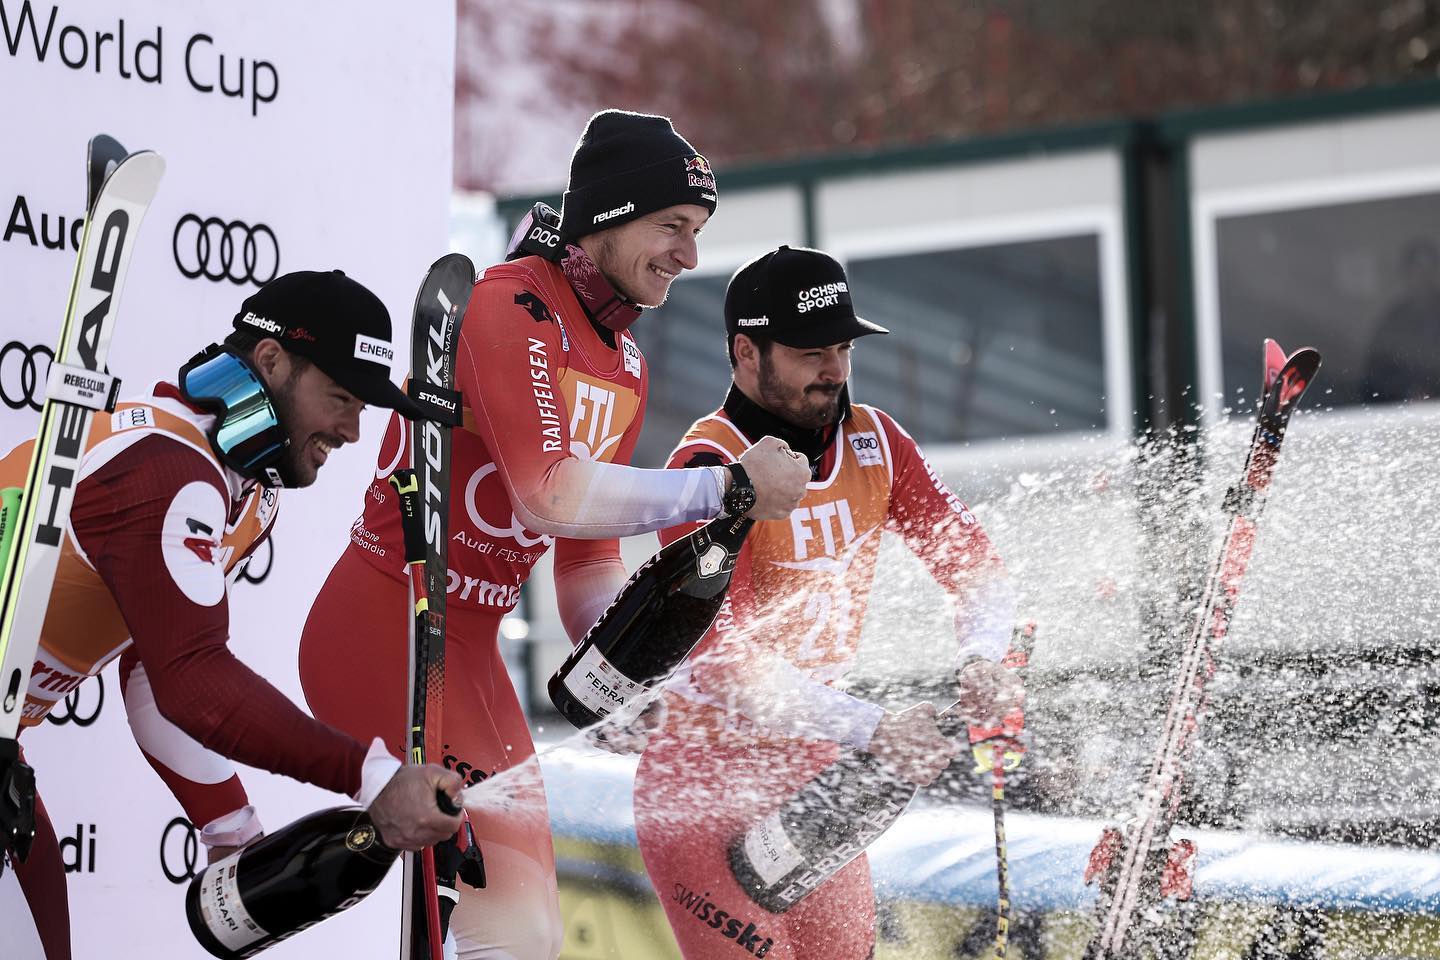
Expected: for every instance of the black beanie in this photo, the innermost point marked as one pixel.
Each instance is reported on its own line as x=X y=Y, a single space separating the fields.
x=627 y=165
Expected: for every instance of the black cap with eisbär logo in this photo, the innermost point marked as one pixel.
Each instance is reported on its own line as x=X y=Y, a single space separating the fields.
x=336 y=324
x=795 y=296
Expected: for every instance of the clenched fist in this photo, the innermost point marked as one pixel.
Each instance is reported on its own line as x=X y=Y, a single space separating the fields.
x=406 y=812
x=912 y=744
x=779 y=476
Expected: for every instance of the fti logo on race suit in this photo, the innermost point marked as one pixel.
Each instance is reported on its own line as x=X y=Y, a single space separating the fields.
x=595 y=427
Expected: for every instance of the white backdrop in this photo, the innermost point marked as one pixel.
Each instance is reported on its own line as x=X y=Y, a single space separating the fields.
x=326 y=137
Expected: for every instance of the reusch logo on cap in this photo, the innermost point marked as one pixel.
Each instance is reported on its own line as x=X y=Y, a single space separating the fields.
x=376 y=351
x=611 y=214
x=753 y=321
x=262 y=323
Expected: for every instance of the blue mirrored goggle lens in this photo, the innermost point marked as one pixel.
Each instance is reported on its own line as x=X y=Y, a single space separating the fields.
x=250 y=431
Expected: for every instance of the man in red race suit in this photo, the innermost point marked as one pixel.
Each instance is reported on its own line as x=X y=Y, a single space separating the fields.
x=554 y=390
x=177 y=489
x=755 y=714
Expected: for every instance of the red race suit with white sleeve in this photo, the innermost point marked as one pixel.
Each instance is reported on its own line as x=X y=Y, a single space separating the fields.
x=553 y=387
x=754 y=714
x=157 y=530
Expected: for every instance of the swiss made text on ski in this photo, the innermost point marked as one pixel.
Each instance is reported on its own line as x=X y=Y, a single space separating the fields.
x=435 y=331
x=1138 y=866
x=119 y=189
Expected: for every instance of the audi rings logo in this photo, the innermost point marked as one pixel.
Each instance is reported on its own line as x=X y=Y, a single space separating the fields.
x=252 y=571
x=180 y=851
x=77 y=709
x=23 y=371
x=225 y=250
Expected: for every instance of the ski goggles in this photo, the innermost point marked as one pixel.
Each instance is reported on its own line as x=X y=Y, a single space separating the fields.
x=247 y=435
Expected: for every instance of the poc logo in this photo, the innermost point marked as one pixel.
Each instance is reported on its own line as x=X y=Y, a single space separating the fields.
x=262 y=323
x=867 y=449
x=611 y=214
x=549 y=238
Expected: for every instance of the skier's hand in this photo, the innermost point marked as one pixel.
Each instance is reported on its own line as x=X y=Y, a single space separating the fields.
x=779 y=476
x=989 y=693
x=231 y=833
x=216 y=854
x=625 y=736
x=405 y=812
x=911 y=744
x=992 y=698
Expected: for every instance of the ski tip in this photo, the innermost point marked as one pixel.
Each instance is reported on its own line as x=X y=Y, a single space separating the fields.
x=1274 y=363
x=1306 y=361
x=102 y=155
x=454 y=261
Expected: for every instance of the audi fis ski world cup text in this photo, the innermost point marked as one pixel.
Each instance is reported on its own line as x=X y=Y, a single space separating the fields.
x=50 y=233
x=127 y=52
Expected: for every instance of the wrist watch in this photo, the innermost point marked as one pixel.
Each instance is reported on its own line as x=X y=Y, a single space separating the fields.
x=741 y=495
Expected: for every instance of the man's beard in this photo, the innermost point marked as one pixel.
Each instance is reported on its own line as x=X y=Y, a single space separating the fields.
x=811 y=408
x=290 y=468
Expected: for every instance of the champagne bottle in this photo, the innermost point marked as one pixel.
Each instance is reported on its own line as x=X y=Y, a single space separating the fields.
x=287 y=882
x=653 y=623
x=785 y=856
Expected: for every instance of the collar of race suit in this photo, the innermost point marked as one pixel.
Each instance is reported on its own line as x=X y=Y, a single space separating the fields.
x=608 y=311
x=755 y=422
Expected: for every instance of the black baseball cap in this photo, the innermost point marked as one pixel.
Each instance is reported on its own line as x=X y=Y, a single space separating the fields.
x=336 y=324
x=795 y=296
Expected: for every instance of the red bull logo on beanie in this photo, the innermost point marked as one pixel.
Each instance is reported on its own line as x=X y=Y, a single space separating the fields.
x=698 y=173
